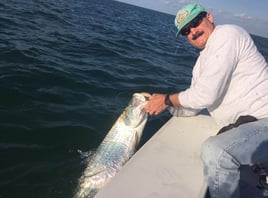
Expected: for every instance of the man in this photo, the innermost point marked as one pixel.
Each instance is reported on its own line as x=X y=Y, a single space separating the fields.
x=230 y=80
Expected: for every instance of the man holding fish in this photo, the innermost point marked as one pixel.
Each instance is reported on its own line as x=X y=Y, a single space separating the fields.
x=230 y=80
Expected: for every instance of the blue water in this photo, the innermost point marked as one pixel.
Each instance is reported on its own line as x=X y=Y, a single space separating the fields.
x=67 y=70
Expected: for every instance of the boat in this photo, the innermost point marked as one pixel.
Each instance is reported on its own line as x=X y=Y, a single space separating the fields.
x=168 y=164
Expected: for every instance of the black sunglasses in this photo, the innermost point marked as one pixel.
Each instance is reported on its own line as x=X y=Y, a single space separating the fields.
x=193 y=24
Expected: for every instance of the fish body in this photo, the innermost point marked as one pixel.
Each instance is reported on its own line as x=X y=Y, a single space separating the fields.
x=115 y=150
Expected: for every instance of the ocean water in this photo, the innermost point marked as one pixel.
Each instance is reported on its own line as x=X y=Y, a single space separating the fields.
x=67 y=70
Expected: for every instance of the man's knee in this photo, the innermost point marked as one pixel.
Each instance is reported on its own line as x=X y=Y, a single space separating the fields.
x=214 y=152
x=210 y=150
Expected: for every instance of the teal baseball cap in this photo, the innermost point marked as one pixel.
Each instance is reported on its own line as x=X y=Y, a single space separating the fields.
x=187 y=14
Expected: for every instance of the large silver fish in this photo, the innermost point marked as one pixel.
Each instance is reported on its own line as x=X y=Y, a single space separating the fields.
x=116 y=148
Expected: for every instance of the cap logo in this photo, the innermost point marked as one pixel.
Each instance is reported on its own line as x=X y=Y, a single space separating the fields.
x=182 y=15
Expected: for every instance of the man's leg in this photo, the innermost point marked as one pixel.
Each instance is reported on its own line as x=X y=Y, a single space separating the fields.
x=223 y=154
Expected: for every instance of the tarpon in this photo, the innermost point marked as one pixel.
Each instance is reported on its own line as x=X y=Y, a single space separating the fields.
x=115 y=150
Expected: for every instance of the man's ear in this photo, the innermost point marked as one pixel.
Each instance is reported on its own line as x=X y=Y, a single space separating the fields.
x=210 y=17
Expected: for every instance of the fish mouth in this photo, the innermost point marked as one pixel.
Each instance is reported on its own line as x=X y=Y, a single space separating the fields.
x=135 y=114
x=140 y=100
x=141 y=97
x=146 y=95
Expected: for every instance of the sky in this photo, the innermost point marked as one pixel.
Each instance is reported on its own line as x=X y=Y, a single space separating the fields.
x=250 y=14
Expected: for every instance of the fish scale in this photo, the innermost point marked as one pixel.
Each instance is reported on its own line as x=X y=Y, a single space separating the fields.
x=116 y=148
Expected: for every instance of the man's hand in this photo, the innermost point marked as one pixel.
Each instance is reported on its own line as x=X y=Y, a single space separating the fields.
x=156 y=104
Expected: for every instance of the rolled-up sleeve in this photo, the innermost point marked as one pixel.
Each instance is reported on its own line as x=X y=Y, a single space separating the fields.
x=183 y=112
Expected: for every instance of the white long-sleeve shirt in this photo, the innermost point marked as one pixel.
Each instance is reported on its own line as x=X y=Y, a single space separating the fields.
x=230 y=78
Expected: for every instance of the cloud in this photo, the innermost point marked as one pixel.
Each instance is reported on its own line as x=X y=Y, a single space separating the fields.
x=243 y=16
x=165 y=1
x=187 y=1
x=178 y=1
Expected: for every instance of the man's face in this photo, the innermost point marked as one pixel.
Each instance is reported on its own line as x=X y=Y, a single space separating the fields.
x=199 y=35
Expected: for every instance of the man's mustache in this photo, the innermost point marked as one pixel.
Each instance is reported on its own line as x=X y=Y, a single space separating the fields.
x=196 y=35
